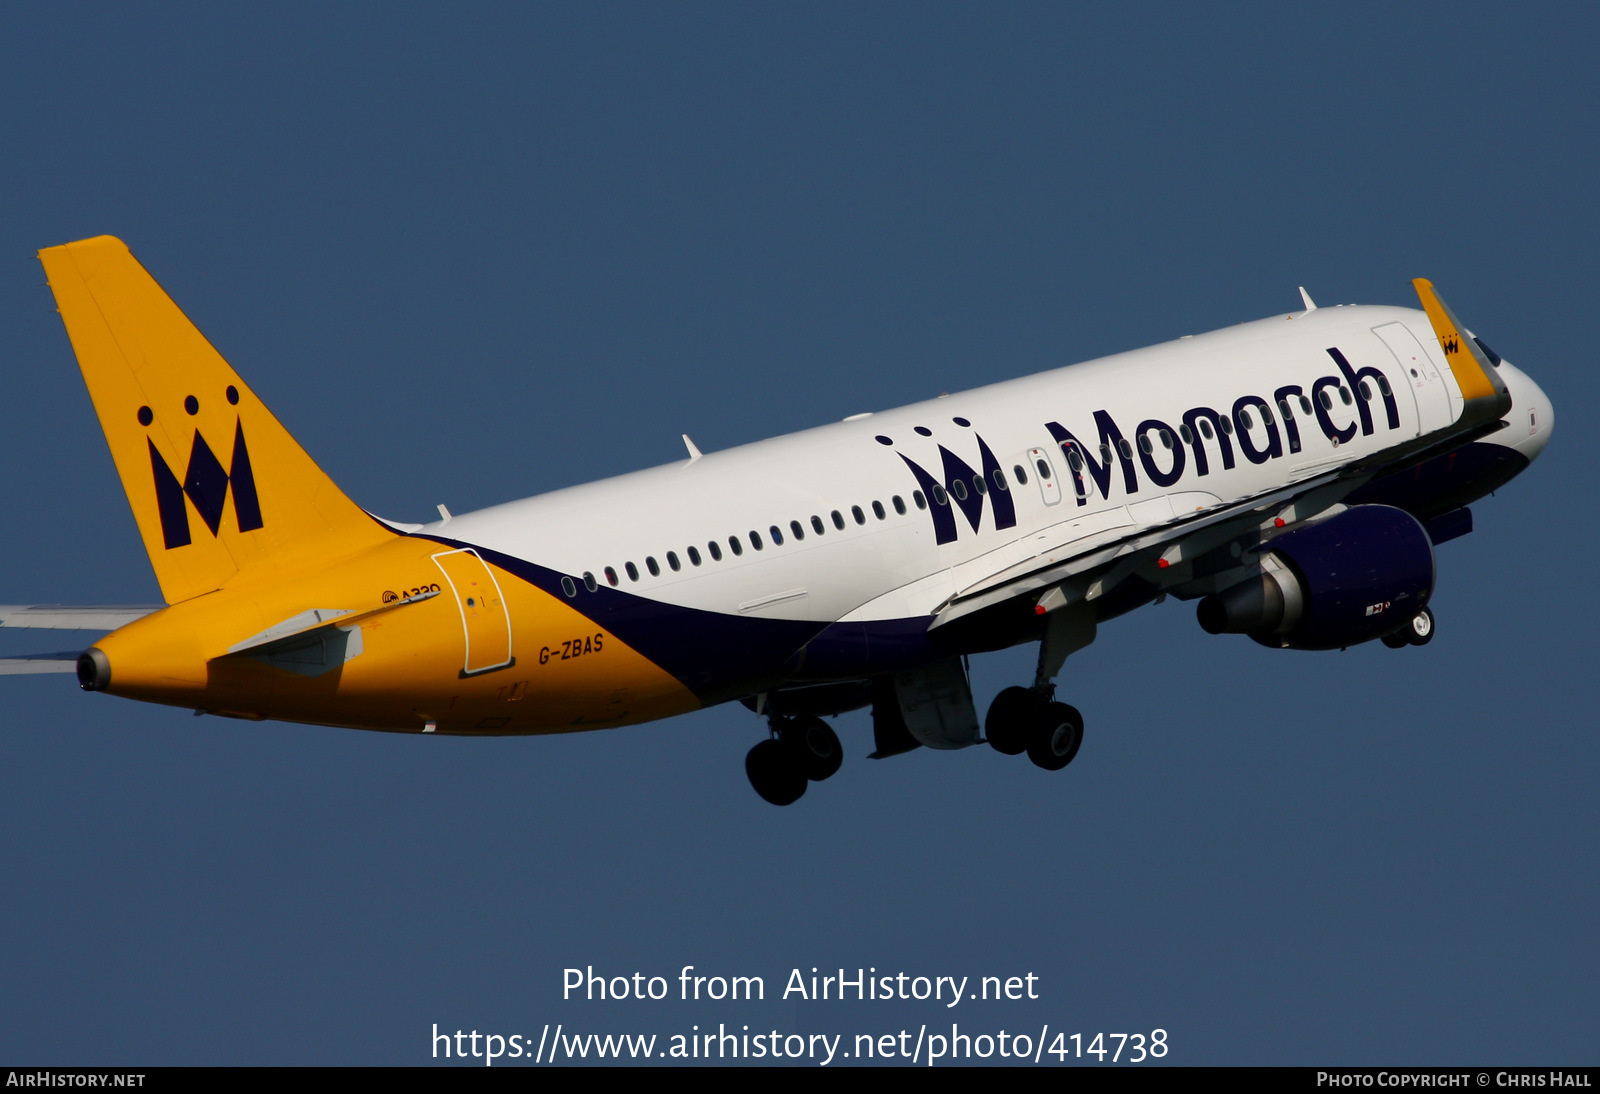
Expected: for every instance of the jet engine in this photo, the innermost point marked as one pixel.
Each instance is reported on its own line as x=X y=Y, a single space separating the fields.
x=1340 y=581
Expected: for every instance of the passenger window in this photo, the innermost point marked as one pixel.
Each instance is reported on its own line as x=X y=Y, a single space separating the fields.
x=899 y=505
x=1183 y=431
x=569 y=587
x=939 y=495
x=755 y=539
x=1305 y=405
x=1020 y=475
x=877 y=510
x=1044 y=468
x=694 y=557
x=1366 y=391
x=1205 y=428
x=797 y=531
x=1166 y=439
x=1245 y=420
x=816 y=525
x=1344 y=396
x=920 y=501
x=716 y=551
x=777 y=535
x=1225 y=425
x=1383 y=385
x=959 y=489
x=978 y=485
x=611 y=575
x=672 y=560
x=1075 y=458
x=1325 y=399
x=1283 y=409
x=1125 y=448
x=651 y=565
x=999 y=479
x=633 y=571
x=855 y=511
x=1105 y=453
x=735 y=546
x=589 y=582
x=1144 y=444
x=838 y=520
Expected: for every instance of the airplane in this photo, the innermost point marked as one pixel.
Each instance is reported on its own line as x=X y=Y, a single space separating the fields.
x=1291 y=475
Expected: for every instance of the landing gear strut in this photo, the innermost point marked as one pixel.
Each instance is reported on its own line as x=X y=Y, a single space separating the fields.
x=800 y=750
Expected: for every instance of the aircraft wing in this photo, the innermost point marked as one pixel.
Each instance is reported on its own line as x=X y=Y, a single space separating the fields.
x=99 y=618
x=299 y=628
x=1101 y=559
x=1066 y=564
x=73 y=617
x=30 y=663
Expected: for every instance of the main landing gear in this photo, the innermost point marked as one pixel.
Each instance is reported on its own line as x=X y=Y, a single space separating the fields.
x=1025 y=720
x=801 y=750
x=1418 y=632
x=1029 y=719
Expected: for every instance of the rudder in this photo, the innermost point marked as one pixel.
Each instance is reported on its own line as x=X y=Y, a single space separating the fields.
x=218 y=487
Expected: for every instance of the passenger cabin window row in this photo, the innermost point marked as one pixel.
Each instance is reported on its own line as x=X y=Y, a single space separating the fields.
x=795 y=531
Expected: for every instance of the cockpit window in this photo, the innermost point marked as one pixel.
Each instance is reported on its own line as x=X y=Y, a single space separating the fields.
x=1494 y=358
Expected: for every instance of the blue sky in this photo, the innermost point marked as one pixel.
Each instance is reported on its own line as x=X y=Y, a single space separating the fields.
x=476 y=254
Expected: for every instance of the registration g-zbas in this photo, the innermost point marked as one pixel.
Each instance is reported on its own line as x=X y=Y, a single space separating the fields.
x=1293 y=475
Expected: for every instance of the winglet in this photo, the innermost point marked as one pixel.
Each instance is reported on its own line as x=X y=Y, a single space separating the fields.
x=1305 y=296
x=1481 y=387
x=694 y=449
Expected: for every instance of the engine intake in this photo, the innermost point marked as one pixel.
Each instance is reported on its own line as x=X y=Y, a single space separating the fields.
x=1271 y=603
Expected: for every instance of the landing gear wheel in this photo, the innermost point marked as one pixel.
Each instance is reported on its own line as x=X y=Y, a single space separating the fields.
x=775 y=772
x=1057 y=734
x=1011 y=717
x=1398 y=640
x=815 y=745
x=1419 y=632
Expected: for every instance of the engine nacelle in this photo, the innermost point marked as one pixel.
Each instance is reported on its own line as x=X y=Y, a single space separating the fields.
x=1332 y=584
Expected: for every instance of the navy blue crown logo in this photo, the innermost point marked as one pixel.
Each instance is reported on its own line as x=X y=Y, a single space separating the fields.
x=206 y=484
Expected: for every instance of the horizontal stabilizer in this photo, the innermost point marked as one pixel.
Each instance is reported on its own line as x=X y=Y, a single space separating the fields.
x=300 y=626
x=73 y=617
x=31 y=663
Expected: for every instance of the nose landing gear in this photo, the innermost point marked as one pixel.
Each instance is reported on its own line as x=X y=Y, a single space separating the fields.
x=800 y=750
x=1418 y=632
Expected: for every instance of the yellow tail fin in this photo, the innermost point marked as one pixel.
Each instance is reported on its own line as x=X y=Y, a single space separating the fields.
x=218 y=486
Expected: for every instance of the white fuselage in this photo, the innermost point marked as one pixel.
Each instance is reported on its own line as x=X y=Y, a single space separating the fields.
x=893 y=567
